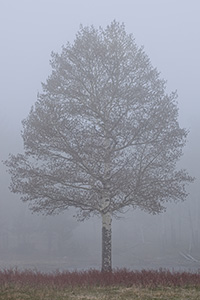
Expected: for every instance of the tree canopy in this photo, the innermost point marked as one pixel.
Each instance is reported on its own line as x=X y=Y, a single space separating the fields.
x=103 y=135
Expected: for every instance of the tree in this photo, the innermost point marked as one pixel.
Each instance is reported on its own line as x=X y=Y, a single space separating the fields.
x=102 y=136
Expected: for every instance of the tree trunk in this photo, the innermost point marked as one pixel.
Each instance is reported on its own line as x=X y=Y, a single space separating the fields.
x=106 y=242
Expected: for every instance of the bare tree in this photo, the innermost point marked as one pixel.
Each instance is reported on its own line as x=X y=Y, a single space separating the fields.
x=102 y=136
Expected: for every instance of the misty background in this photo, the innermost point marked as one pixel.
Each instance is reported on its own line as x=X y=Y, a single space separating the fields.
x=29 y=31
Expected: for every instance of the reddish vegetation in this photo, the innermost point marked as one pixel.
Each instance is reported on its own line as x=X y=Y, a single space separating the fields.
x=96 y=278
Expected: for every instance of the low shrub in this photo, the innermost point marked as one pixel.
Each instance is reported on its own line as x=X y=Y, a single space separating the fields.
x=119 y=277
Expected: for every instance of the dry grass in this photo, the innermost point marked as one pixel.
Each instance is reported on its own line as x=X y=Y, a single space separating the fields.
x=94 y=285
x=101 y=293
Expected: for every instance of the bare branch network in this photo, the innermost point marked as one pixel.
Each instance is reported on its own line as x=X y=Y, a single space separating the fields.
x=103 y=135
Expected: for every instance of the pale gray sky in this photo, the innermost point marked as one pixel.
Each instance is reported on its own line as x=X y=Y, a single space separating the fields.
x=31 y=29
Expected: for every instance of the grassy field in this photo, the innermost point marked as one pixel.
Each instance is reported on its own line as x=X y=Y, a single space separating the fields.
x=92 y=284
x=98 y=293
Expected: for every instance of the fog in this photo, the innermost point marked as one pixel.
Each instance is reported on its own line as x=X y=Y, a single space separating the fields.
x=30 y=30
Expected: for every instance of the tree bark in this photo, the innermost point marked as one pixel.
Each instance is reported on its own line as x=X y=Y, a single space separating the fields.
x=106 y=242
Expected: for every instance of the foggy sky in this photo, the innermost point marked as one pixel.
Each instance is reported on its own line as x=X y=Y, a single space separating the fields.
x=31 y=29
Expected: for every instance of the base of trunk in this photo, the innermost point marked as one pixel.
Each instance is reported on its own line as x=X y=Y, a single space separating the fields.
x=106 y=243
